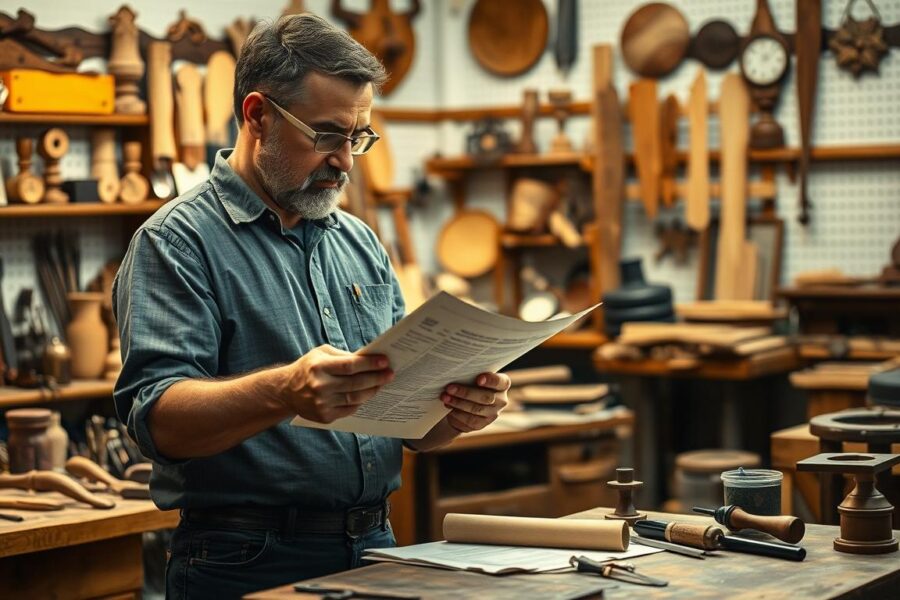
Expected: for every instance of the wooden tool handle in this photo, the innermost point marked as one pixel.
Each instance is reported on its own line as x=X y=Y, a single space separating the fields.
x=787 y=528
x=48 y=481
x=159 y=92
x=188 y=97
x=85 y=468
x=696 y=536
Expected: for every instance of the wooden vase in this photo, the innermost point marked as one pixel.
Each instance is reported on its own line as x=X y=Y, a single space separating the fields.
x=87 y=336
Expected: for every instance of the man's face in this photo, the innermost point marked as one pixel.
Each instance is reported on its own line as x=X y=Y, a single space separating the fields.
x=299 y=179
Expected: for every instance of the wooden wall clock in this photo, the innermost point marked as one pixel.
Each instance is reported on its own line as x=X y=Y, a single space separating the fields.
x=765 y=58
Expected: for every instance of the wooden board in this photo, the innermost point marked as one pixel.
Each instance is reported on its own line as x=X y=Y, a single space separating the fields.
x=647 y=334
x=697 y=199
x=608 y=170
x=644 y=114
x=734 y=121
x=729 y=310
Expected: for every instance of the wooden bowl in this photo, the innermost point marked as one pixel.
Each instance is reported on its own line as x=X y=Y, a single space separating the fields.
x=469 y=243
x=655 y=39
x=508 y=38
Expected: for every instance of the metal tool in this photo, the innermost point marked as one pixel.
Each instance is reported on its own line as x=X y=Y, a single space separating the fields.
x=713 y=538
x=612 y=570
x=675 y=548
x=339 y=593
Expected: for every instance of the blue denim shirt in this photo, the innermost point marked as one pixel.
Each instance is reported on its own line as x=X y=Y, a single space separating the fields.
x=213 y=286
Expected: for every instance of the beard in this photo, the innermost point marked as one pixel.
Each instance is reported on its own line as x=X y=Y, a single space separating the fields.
x=303 y=199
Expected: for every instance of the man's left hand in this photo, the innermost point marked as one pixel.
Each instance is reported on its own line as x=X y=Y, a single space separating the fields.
x=474 y=407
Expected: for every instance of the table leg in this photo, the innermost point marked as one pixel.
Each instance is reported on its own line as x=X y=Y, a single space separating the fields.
x=637 y=394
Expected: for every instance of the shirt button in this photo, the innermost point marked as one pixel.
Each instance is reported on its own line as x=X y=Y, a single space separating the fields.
x=369 y=466
x=327 y=311
x=271 y=217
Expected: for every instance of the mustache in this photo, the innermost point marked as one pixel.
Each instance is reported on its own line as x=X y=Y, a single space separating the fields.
x=328 y=173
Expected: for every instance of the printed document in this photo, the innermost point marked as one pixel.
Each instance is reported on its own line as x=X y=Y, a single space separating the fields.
x=496 y=560
x=443 y=341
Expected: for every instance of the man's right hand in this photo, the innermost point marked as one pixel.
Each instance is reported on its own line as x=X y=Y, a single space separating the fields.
x=327 y=383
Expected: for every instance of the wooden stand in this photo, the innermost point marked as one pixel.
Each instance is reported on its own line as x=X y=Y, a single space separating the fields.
x=625 y=485
x=135 y=186
x=25 y=186
x=54 y=144
x=125 y=62
x=865 y=512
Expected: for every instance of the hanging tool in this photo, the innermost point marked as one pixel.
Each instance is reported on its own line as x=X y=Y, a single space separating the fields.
x=786 y=528
x=808 y=47
x=709 y=537
x=566 y=45
x=697 y=201
x=619 y=571
x=643 y=110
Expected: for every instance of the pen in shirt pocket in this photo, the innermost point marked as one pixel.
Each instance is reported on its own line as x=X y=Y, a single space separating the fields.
x=357 y=293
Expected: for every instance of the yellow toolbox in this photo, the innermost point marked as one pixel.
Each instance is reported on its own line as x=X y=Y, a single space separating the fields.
x=32 y=91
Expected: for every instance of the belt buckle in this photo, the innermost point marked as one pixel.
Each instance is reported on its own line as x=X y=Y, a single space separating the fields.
x=363 y=519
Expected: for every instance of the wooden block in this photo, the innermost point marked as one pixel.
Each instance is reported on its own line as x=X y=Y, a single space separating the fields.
x=32 y=91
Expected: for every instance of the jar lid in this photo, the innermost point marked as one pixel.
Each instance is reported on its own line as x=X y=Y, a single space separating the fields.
x=28 y=417
x=752 y=478
x=715 y=460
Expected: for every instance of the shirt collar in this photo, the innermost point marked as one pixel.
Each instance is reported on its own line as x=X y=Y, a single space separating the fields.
x=240 y=202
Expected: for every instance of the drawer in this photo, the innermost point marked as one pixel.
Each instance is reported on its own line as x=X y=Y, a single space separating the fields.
x=527 y=501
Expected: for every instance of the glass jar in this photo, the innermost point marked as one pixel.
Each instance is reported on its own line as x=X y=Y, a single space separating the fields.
x=757 y=491
x=28 y=445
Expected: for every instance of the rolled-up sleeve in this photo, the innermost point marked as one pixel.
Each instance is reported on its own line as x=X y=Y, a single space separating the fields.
x=169 y=326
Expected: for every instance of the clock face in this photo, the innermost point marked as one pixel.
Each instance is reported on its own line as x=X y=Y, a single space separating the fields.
x=764 y=61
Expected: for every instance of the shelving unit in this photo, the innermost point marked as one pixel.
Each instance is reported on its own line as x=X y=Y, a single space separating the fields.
x=58 y=119
x=86 y=389
x=96 y=209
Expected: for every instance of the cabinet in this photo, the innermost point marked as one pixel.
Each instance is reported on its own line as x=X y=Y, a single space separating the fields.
x=544 y=472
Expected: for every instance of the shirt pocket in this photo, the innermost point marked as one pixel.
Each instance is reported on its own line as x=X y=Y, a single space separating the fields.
x=372 y=305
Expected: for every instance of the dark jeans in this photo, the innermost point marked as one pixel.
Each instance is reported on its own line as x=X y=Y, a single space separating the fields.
x=227 y=563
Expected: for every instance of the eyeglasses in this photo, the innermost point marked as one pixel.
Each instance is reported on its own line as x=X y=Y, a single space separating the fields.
x=327 y=142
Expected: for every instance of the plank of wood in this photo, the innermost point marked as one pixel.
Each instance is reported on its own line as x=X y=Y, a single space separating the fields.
x=562 y=394
x=734 y=121
x=643 y=111
x=548 y=374
x=647 y=334
x=729 y=310
x=746 y=283
x=608 y=170
x=669 y=111
x=697 y=199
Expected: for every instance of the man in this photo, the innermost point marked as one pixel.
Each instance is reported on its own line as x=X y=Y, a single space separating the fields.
x=241 y=304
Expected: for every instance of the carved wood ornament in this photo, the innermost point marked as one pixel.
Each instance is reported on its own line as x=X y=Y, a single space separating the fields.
x=387 y=35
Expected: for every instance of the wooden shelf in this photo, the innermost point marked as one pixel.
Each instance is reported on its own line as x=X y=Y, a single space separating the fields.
x=467 y=163
x=86 y=209
x=525 y=240
x=86 y=389
x=577 y=340
x=60 y=119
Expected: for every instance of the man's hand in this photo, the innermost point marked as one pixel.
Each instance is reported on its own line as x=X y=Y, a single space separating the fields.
x=476 y=407
x=327 y=383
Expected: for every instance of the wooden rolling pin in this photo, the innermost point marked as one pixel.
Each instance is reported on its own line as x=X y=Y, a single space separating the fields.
x=48 y=481
x=786 y=528
x=85 y=468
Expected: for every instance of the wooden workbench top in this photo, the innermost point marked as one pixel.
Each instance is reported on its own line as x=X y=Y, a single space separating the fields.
x=762 y=364
x=824 y=574
x=77 y=524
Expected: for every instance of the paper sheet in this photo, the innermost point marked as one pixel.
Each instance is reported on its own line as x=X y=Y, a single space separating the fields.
x=496 y=560
x=445 y=340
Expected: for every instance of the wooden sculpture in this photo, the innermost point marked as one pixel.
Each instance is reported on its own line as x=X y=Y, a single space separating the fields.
x=125 y=62
x=530 y=108
x=48 y=481
x=24 y=46
x=54 y=144
x=386 y=34
x=135 y=186
x=25 y=186
x=103 y=164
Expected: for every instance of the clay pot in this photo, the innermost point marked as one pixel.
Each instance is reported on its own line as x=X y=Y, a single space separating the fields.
x=86 y=335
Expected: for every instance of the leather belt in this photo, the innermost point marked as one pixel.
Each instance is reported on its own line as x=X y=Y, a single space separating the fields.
x=290 y=520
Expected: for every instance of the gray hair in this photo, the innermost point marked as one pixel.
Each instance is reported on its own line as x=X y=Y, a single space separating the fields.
x=277 y=57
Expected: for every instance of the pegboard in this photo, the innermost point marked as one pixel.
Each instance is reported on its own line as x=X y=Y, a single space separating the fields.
x=856 y=217
x=856 y=206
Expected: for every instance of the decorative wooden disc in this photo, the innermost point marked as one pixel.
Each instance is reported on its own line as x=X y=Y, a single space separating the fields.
x=655 y=39
x=508 y=38
x=468 y=243
x=135 y=188
x=54 y=143
x=108 y=189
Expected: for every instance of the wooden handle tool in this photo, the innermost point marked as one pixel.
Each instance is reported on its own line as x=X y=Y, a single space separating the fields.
x=189 y=100
x=30 y=503
x=48 y=481
x=808 y=46
x=644 y=113
x=786 y=528
x=734 y=121
x=85 y=468
x=697 y=203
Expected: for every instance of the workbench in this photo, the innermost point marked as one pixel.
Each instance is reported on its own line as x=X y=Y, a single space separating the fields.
x=742 y=382
x=823 y=574
x=77 y=552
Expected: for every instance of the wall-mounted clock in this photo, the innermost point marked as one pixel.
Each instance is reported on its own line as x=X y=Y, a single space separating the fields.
x=765 y=57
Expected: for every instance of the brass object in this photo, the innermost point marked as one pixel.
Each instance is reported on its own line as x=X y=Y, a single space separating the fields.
x=625 y=485
x=57 y=362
